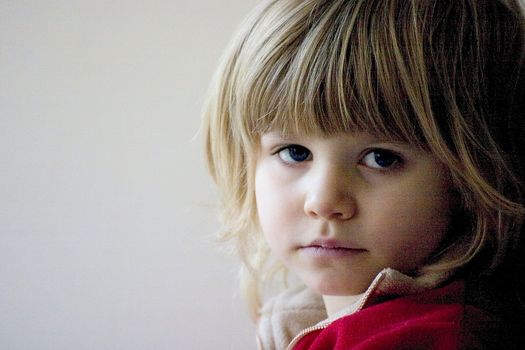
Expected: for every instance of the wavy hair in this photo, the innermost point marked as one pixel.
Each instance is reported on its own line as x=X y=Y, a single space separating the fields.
x=444 y=76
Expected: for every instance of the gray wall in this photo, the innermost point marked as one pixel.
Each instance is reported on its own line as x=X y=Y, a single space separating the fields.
x=106 y=212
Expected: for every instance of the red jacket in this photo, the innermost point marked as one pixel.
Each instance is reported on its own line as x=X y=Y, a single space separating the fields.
x=434 y=320
x=397 y=312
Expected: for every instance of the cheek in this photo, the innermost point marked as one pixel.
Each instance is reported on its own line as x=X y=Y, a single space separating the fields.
x=275 y=209
x=269 y=206
x=412 y=229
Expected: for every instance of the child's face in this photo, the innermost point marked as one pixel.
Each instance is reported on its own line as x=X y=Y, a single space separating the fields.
x=336 y=210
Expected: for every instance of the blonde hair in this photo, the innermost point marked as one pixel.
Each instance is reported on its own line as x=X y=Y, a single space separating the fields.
x=445 y=76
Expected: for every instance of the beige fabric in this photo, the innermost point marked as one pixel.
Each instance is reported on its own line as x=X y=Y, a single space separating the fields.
x=286 y=315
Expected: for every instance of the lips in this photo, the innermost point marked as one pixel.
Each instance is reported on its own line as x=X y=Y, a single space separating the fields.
x=332 y=244
x=323 y=249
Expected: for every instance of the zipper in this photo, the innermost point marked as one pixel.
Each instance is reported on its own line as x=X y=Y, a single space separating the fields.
x=371 y=289
x=325 y=324
x=305 y=331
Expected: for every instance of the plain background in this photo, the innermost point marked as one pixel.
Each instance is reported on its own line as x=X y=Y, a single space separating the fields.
x=107 y=215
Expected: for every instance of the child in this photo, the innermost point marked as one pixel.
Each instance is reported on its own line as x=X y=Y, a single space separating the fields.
x=373 y=148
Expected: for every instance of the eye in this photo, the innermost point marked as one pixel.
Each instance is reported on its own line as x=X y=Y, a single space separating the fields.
x=294 y=154
x=382 y=159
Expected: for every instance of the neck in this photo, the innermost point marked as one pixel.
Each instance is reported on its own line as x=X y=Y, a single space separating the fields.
x=335 y=303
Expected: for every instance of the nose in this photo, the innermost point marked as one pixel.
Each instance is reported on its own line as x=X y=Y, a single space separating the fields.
x=329 y=195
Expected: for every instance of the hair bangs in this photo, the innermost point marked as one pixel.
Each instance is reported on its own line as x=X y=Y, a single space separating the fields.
x=336 y=73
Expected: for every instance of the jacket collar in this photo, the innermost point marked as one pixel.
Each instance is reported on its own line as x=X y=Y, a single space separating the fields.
x=297 y=309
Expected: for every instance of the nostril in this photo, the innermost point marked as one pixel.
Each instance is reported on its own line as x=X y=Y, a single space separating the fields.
x=340 y=209
x=330 y=193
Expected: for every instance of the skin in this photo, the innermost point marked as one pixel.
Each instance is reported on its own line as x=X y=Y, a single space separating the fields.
x=338 y=209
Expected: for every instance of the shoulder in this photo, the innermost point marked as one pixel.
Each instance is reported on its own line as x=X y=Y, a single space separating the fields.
x=287 y=314
x=437 y=319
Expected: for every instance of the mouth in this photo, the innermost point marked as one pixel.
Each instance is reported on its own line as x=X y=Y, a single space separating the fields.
x=331 y=248
x=332 y=244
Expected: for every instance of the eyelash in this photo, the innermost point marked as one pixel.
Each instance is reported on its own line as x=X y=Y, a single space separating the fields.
x=397 y=161
x=289 y=147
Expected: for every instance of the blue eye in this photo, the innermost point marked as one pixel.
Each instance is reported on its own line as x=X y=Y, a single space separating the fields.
x=294 y=154
x=381 y=159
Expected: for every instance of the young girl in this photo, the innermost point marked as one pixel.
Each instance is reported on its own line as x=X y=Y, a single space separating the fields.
x=373 y=149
